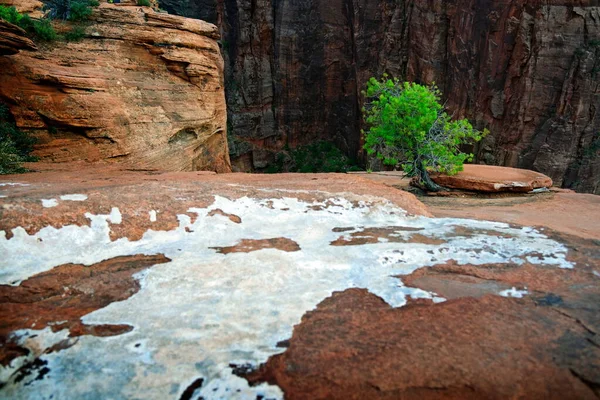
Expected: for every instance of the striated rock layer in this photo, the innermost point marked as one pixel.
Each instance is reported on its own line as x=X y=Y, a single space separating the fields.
x=13 y=39
x=525 y=69
x=142 y=88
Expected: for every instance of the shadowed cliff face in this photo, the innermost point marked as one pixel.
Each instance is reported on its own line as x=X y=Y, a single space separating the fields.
x=526 y=70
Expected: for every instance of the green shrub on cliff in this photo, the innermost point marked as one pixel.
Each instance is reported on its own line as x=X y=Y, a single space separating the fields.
x=408 y=126
x=40 y=29
x=316 y=157
x=319 y=157
x=15 y=145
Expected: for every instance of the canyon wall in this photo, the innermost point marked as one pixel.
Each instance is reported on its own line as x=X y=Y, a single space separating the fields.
x=526 y=70
x=142 y=88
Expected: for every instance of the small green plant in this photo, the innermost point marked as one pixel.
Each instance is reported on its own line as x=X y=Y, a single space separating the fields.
x=408 y=126
x=319 y=157
x=75 y=34
x=44 y=30
x=15 y=145
x=316 y=157
x=144 y=3
x=40 y=29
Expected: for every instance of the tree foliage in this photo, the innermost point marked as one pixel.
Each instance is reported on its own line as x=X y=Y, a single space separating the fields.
x=408 y=126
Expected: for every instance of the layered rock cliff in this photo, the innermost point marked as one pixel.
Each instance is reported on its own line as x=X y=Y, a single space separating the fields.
x=525 y=69
x=142 y=88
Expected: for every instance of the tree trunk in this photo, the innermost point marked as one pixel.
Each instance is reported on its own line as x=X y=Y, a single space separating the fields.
x=425 y=179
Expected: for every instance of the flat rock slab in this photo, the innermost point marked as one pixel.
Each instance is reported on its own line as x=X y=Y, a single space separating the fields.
x=490 y=178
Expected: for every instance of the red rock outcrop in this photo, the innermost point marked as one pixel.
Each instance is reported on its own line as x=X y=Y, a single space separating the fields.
x=13 y=39
x=354 y=346
x=142 y=88
x=525 y=69
x=475 y=345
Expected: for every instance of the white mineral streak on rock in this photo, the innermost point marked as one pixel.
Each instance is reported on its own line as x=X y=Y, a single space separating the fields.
x=152 y=215
x=49 y=203
x=74 y=197
x=514 y=292
x=201 y=312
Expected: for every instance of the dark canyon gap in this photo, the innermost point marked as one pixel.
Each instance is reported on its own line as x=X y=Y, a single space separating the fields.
x=526 y=70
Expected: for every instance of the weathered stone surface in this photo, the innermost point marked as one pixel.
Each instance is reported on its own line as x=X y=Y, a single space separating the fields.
x=291 y=240
x=527 y=70
x=142 y=88
x=135 y=194
x=544 y=345
x=13 y=39
x=486 y=178
x=250 y=245
x=354 y=346
x=60 y=297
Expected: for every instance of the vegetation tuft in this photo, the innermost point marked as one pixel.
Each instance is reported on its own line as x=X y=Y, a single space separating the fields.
x=75 y=11
x=316 y=157
x=15 y=145
x=76 y=34
x=40 y=29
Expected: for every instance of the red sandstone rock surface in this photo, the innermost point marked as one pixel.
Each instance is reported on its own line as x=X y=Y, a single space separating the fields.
x=486 y=178
x=142 y=88
x=475 y=345
x=354 y=345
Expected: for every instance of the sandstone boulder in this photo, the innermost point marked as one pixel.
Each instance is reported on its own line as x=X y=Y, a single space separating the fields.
x=142 y=88
x=489 y=178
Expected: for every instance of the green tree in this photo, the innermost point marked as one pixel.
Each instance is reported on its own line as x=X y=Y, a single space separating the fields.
x=408 y=126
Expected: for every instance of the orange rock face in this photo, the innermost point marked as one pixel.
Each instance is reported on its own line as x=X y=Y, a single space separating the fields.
x=142 y=88
x=487 y=178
